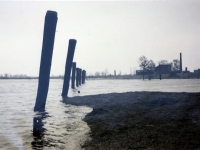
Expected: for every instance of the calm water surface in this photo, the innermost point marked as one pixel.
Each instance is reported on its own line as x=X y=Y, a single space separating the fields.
x=61 y=125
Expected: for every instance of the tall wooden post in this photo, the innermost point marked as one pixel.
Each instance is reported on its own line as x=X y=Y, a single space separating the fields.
x=77 y=77
x=80 y=76
x=46 y=57
x=83 y=76
x=160 y=74
x=68 y=66
x=180 y=63
x=73 y=75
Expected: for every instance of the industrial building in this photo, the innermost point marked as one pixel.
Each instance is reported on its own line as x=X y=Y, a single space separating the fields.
x=166 y=71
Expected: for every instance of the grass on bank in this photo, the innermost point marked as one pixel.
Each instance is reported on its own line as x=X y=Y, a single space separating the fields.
x=136 y=130
x=146 y=134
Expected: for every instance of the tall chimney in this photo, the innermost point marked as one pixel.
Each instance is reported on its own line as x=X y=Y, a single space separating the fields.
x=180 y=63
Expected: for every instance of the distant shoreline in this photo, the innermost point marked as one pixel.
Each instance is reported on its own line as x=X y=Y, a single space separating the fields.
x=142 y=120
x=135 y=77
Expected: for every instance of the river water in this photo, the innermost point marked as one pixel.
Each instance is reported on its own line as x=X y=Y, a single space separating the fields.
x=61 y=125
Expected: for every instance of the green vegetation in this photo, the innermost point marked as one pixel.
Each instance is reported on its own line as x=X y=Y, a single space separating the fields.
x=146 y=134
x=154 y=121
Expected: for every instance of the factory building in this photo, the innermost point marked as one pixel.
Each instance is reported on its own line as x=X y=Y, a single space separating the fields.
x=162 y=69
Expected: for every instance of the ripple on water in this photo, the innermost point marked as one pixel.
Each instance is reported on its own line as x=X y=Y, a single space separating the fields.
x=63 y=129
x=62 y=126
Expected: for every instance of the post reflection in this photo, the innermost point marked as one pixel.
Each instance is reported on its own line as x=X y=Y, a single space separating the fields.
x=37 y=126
x=38 y=131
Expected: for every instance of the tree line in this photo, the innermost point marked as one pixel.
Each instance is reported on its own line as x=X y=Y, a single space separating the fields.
x=149 y=65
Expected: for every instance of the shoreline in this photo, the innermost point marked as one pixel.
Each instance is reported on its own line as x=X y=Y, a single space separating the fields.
x=141 y=120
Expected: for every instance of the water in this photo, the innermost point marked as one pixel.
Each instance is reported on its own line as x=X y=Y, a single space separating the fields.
x=61 y=125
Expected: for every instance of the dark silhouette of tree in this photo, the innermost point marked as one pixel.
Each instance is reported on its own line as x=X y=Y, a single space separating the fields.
x=146 y=65
x=143 y=64
x=175 y=65
x=163 y=62
x=151 y=67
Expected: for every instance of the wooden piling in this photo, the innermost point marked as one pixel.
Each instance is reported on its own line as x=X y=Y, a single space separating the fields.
x=73 y=75
x=160 y=74
x=83 y=76
x=77 y=77
x=46 y=57
x=198 y=73
x=180 y=62
x=80 y=76
x=68 y=66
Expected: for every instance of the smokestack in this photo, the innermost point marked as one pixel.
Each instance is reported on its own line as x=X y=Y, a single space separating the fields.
x=180 y=63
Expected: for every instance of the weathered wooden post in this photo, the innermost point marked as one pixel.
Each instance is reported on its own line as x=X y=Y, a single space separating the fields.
x=46 y=57
x=68 y=66
x=77 y=77
x=160 y=74
x=73 y=75
x=198 y=73
x=83 y=76
x=180 y=62
x=80 y=76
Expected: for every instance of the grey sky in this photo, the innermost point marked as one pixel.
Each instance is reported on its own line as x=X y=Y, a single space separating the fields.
x=110 y=35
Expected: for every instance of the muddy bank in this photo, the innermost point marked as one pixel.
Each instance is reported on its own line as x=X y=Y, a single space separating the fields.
x=137 y=120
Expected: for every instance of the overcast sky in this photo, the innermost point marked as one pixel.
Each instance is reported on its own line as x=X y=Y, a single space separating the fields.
x=110 y=35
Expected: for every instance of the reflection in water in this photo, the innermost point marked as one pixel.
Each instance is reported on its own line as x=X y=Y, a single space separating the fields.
x=38 y=131
x=63 y=129
x=38 y=127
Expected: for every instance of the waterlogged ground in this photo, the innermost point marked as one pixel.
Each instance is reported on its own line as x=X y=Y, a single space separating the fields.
x=142 y=120
x=61 y=130
x=61 y=125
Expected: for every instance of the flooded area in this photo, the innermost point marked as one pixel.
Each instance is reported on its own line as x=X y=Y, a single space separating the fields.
x=61 y=125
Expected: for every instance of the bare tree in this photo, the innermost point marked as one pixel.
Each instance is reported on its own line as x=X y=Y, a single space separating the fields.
x=143 y=64
x=162 y=62
x=175 y=65
x=151 y=67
